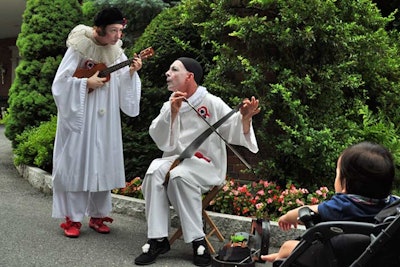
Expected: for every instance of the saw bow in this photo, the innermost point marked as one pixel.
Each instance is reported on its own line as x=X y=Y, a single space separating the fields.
x=189 y=151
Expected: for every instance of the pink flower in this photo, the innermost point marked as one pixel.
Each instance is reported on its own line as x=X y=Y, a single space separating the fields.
x=242 y=189
x=259 y=206
x=314 y=200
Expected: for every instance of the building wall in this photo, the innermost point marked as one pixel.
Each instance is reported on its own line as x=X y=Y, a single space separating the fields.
x=237 y=169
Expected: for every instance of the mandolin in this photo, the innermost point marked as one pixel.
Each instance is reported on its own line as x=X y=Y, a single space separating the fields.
x=91 y=68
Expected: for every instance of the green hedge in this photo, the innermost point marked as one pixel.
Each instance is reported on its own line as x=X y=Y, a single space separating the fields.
x=36 y=145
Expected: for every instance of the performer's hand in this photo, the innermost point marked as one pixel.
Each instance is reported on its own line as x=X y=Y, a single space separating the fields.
x=249 y=108
x=95 y=81
x=176 y=102
x=136 y=64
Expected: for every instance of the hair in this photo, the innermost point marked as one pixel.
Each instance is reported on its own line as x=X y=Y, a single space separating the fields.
x=193 y=66
x=101 y=30
x=108 y=16
x=367 y=169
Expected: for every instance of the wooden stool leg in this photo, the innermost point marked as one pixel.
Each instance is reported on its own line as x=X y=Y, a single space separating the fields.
x=176 y=235
x=207 y=221
x=210 y=246
x=214 y=228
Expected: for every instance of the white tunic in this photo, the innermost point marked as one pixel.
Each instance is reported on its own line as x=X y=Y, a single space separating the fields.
x=193 y=176
x=88 y=153
x=172 y=139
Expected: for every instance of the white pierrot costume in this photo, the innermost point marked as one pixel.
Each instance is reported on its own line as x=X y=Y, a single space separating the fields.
x=88 y=153
x=193 y=176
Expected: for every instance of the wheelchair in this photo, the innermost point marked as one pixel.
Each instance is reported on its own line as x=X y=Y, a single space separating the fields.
x=346 y=243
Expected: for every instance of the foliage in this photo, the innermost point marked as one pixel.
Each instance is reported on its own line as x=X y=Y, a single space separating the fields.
x=3 y=116
x=36 y=145
x=42 y=39
x=133 y=188
x=389 y=7
x=311 y=73
x=379 y=128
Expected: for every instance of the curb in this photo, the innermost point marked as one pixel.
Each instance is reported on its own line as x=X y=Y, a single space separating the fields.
x=227 y=224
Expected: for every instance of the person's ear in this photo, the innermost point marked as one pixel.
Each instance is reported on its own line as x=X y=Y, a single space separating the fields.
x=344 y=191
x=190 y=75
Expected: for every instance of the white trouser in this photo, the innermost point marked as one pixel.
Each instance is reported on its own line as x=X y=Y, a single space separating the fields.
x=76 y=205
x=185 y=195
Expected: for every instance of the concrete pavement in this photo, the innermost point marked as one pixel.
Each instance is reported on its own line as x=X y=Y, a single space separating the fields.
x=31 y=237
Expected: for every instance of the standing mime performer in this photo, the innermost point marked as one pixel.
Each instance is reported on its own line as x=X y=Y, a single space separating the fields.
x=88 y=157
x=173 y=130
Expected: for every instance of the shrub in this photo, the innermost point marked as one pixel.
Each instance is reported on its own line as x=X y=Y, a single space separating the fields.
x=36 y=145
x=311 y=74
x=41 y=42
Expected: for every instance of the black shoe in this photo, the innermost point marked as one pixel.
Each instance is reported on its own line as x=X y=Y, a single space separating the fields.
x=201 y=256
x=151 y=250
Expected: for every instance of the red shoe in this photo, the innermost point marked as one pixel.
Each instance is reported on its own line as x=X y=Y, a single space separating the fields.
x=71 y=229
x=98 y=225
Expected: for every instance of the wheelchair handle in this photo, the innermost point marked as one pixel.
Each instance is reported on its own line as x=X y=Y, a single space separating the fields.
x=307 y=217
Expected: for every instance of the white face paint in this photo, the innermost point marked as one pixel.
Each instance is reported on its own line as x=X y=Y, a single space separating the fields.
x=177 y=76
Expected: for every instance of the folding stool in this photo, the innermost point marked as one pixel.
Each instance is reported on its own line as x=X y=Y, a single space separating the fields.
x=208 y=222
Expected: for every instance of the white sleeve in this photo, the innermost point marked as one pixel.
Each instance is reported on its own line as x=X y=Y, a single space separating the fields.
x=70 y=92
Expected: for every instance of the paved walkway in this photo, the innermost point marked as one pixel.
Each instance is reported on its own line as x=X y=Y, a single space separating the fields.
x=30 y=237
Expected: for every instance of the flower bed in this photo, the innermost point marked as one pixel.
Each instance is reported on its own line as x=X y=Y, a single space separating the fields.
x=260 y=199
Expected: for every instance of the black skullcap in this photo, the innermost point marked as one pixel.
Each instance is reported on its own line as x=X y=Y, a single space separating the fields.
x=193 y=66
x=107 y=16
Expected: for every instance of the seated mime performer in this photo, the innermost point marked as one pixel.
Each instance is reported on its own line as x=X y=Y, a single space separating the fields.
x=173 y=130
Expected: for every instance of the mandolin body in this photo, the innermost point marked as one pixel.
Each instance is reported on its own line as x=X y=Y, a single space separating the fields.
x=105 y=71
x=86 y=73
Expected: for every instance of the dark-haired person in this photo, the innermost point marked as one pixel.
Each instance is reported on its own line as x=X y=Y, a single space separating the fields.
x=363 y=185
x=88 y=157
x=173 y=130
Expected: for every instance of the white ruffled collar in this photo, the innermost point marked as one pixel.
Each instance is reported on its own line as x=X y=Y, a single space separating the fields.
x=82 y=40
x=195 y=99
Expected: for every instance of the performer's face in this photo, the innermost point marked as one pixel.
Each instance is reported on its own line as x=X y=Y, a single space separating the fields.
x=111 y=34
x=177 y=77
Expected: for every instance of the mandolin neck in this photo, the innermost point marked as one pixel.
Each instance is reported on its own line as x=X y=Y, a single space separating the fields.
x=144 y=54
x=107 y=71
